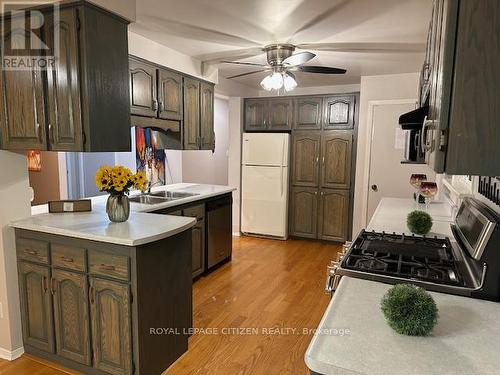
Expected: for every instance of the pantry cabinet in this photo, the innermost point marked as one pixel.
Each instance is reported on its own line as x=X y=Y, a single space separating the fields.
x=304 y=212
x=306 y=148
x=333 y=215
x=336 y=154
x=80 y=102
x=339 y=112
x=308 y=113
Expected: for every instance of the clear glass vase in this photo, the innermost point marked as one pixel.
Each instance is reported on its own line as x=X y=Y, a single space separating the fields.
x=118 y=208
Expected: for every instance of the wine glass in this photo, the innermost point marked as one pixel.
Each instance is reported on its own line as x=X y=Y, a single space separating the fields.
x=428 y=190
x=415 y=181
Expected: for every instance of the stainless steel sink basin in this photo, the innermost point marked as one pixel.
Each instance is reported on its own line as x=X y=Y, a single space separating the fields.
x=173 y=194
x=160 y=197
x=147 y=199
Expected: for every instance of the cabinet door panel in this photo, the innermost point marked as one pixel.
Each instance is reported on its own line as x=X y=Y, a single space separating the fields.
x=333 y=215
x=306 y=149
x=280 y=114
x=22 y=116
x=170 y=95
x=111 y=330
x=308 y=113
x=304 y=212
x=63 y=83
x=255 y=114
x=198 y=248
x=143 y=95
x=336 y=160
x=191 y=114
x=207 y=116
x=339 y=112
x=36 y=306
x=71 y=316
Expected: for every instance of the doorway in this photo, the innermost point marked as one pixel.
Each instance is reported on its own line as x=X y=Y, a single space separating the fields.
x=388 y=177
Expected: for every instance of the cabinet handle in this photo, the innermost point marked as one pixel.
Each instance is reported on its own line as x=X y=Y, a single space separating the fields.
x=423 y=137
x=51 y=133
x=68 y=260
x=317 y=159
x=322 y=193
x=155 y=105
x=315 y=193
x=32 y=252
x=162 y=107
x=53 y=285
x=323 y=160
x=92 y=294
x=44 y=282
x=107 y=267
x=37 y=132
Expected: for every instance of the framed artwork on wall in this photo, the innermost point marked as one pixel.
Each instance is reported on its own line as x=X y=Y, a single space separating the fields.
x=34 y=161
x=149 y=158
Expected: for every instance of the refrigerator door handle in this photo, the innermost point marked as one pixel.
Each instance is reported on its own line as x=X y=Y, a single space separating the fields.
x=281 y=181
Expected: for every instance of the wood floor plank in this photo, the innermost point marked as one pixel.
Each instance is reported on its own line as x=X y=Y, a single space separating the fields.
x=268 y=285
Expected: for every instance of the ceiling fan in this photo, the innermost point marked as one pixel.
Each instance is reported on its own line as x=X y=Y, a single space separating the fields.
x=281 y=64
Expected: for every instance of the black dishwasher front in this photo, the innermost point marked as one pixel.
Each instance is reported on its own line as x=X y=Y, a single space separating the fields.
x=219 y=230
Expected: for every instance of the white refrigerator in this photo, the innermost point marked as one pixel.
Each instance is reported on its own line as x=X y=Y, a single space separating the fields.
x=264 y=184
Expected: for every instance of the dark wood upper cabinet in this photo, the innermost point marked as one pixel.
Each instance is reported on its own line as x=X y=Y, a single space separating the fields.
x=143 y=94
x=111 y=330
x=36 y=306
x=256 y=114
x=305 y=159
x=333 y=215
x=280 y=114
x=304 y=212
x=336 y=150
x=191 y=131
x=63 y=84
x=207 y=116
x=308 y=113
x=22 y=109
x=71 y=316
x=169 y=95
x=81 y=102
x=339 y=112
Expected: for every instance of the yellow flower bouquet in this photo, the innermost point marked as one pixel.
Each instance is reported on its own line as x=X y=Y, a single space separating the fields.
x=117 y=181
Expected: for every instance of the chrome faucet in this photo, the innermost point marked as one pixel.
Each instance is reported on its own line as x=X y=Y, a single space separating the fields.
x=150 y=185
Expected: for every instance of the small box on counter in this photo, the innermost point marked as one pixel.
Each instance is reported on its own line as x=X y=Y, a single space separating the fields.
x=81 y=205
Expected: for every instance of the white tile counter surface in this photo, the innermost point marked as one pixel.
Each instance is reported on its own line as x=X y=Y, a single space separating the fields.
x=465 y=341
x=142 y=227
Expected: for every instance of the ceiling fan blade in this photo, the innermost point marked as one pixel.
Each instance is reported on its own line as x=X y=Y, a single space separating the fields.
x=320 y=69
x=298 y=59
x=241 y=63
x=246 y=74
x=217 y=57
x=365 y=47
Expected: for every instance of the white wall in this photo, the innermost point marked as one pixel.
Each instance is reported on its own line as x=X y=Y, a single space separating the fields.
x=234 y=160
x=385 y=87
x=320 y=90
x=207 y=167
x=15 y=204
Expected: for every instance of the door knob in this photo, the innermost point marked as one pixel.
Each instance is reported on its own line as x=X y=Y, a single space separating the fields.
x=374 y=187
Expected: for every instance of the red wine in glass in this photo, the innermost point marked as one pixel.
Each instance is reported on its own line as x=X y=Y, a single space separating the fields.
x=415 y=181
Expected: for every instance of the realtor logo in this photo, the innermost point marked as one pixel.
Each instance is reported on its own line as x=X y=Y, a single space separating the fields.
x=30 y=35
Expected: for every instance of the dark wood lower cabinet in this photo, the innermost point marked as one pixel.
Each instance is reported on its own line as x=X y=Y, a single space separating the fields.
x=333 y=215
x=71 y=315
x=36 y=306
x=198 y=248
x=111 y=333
x=91 y=306
x=304 y=212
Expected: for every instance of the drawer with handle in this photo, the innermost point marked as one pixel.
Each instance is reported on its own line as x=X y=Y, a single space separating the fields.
x=109 y=265
x=33 y=250
x=69 y=257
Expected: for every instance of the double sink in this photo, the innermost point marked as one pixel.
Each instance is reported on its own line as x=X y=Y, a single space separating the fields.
x=161 y=197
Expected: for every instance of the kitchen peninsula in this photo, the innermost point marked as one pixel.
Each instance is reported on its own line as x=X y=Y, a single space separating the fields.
x=92 y=291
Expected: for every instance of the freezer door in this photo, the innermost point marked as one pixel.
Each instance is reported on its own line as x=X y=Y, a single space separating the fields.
x=265 y=149
x=264 y=207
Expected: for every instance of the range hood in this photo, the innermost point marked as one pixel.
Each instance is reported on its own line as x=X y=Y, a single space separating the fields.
x=414 y=120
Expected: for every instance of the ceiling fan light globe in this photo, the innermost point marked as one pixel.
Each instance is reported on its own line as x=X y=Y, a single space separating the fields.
x=266 y=83
x=276 y=81
x=289 y=83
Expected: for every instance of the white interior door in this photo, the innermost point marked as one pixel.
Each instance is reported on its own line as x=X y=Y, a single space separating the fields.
x=388 y=177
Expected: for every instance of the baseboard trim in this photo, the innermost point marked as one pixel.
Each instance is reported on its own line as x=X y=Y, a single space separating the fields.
x=236 y=234
x=11 y=355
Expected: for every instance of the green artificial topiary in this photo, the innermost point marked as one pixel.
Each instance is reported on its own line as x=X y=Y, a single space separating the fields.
x=409 y=310
x=419 y=222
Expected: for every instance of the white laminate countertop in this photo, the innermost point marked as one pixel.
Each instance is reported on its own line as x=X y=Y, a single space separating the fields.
x=465 y=340
x=142 y=227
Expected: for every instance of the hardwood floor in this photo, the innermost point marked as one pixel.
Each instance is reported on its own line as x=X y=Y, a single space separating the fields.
x=257 y=307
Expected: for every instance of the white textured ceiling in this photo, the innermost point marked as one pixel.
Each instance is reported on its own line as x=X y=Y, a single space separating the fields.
x=208 y=29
